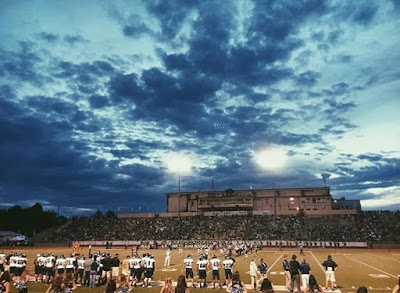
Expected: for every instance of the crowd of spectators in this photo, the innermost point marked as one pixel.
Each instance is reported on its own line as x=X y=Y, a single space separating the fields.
x=368 y=226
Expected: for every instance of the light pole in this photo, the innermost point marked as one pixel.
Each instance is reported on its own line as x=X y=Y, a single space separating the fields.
x=179 y=164
x=271 y=159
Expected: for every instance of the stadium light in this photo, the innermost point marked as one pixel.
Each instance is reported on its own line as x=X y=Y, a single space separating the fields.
x=179 y=164
x=271 y=159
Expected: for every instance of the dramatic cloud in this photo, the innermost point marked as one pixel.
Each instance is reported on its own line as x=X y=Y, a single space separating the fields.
x=95 y=96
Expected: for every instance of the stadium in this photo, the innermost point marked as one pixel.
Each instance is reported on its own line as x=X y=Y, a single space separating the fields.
x=245 y=225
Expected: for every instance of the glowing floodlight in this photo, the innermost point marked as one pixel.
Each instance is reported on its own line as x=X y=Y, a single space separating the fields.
x=271 y=159
x=179 y=164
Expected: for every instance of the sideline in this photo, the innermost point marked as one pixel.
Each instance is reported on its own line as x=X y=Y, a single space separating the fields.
x=317 y=261
x=372 y=267
x=283 y=253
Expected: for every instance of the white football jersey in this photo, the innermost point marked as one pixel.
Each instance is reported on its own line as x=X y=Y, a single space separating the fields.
x=215 y=262
x=188 y=262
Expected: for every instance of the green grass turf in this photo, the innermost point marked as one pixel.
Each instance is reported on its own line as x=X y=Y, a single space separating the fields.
x=378 y=270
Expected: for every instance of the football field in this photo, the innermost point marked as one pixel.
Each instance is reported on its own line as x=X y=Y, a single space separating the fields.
x=378 y=270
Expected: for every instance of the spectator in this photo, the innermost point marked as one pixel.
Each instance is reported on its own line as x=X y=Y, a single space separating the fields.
x=123 y=285
x=21 y=282
x=168 y=287
x=5 y=282
x=266 y=286
x=181 y=286
x=111 y=286
x=362 y=289
x=313 y=286
x=56 y=286
x=236 y=285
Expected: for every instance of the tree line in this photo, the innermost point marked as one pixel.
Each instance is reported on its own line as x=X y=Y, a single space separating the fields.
x=29 y=221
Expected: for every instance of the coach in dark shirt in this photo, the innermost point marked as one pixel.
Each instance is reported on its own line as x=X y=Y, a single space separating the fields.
x=115 y=262
x=294 y=269
x=330 y=267
x=305 y=271
x=106 y=261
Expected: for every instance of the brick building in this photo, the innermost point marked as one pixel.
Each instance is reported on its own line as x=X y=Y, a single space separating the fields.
x=277 y=201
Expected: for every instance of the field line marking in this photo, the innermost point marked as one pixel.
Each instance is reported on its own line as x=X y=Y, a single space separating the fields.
x=372 y=267
x=275 y=262
x=317 y=261
x=391 y=259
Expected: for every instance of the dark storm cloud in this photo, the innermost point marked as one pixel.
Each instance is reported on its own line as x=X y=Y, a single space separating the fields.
x=370 y=157
x=8 y=108
x=308 y=78
x=171 y=14
x=269 y=24
x=381 y=173
x=98 y=101
x=50 y=37
x=125 y=86
x=162 y=97
x=34 y=152
x=51 y=106
x=74 y=39
x=215 y=87
x=65 y=115
x=84 y=71
x=136 y=28
x=334 y=37
x=21 y=65
x=149 y=176
x=177 y=62
x=362 y=14
x=396 y=5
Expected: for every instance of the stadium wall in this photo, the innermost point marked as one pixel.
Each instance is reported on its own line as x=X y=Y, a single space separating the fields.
x=278 y=201
x=262 y=243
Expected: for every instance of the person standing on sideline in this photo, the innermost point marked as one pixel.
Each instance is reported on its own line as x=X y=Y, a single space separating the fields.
x=94 y=266
x=215 y=265
x=305 y=270
x=202 y=264
x=188 y=266
x=86 y=270
x=294 y=269
x=253 y=274
x=228 y=264
x=330 y=268
x=262 y=267
x=150 y=269
x=167 y=257
x=125 y=267
x=115 y=262
x=285 y=266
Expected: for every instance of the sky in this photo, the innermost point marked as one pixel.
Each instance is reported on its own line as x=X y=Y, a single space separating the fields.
x=100 y=100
